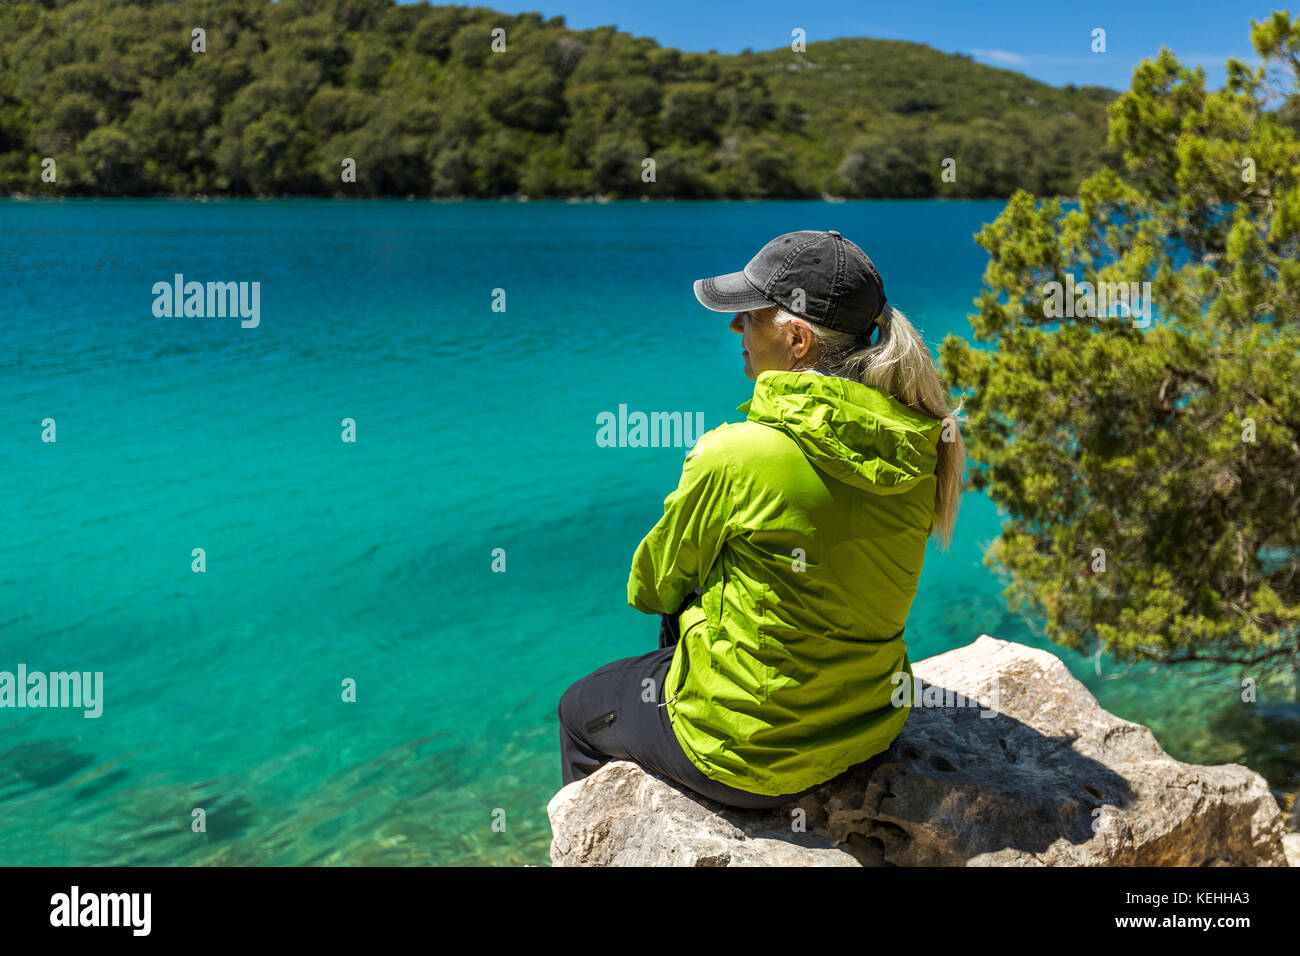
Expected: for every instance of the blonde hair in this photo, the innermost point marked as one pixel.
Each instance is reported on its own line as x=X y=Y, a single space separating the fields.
x=899 y=364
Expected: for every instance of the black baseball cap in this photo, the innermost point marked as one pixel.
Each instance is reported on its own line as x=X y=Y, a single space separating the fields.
x=841 y=288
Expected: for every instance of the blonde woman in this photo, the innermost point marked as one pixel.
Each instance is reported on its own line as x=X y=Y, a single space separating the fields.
x=787 y=558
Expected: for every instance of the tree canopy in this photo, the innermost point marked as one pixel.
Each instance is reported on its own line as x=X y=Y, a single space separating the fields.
x=1149 y=465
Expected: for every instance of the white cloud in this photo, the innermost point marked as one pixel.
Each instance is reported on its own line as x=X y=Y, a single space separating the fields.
x=1000 y=56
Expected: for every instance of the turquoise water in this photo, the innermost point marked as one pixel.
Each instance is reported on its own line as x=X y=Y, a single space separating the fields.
x=372 y=561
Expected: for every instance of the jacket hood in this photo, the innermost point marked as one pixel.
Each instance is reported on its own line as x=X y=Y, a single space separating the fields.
x=852 y=432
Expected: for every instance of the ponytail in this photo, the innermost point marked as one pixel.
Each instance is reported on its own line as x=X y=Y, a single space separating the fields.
x=899 y=364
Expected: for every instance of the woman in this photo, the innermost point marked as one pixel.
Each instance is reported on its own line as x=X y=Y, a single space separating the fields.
x=789 y=555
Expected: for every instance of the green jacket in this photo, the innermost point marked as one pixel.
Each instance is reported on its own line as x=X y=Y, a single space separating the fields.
x=806 y=526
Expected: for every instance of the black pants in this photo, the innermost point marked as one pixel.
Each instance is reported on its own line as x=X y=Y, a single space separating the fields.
x=613 y=714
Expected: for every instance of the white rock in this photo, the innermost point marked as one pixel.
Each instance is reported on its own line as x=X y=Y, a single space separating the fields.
x=1049 y=779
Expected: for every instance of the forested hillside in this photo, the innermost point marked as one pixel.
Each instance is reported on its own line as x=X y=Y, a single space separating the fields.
x=283 y=92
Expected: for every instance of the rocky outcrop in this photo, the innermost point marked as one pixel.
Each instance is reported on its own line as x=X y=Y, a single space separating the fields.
x=1005 y=759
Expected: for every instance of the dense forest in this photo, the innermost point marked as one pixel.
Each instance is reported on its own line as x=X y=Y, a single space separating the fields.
x=271 y=98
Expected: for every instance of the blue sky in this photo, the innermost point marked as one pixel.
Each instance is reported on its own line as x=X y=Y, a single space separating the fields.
x=1049 y=40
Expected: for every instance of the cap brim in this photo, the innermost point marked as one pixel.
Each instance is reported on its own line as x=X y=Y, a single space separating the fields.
x=730 y=293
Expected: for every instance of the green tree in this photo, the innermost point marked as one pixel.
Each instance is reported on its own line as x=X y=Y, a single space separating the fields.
x=692 y=112
x=529 y=96
x=1150 y=473
x=889 y=162
x=110 y=156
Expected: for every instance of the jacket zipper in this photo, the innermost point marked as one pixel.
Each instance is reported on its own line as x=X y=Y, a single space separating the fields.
x=686 y=658
x=601 y=722
x=686 y=669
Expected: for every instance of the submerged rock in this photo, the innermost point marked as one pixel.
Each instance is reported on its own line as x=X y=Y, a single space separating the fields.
x=1006 y=759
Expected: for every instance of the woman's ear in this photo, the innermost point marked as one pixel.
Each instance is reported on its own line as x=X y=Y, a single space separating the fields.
x=803 y=341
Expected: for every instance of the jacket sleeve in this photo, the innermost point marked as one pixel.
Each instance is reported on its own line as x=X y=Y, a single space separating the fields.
x=677 y=554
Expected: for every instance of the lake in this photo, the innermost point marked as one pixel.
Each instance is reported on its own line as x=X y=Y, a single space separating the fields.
x=473 y=347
